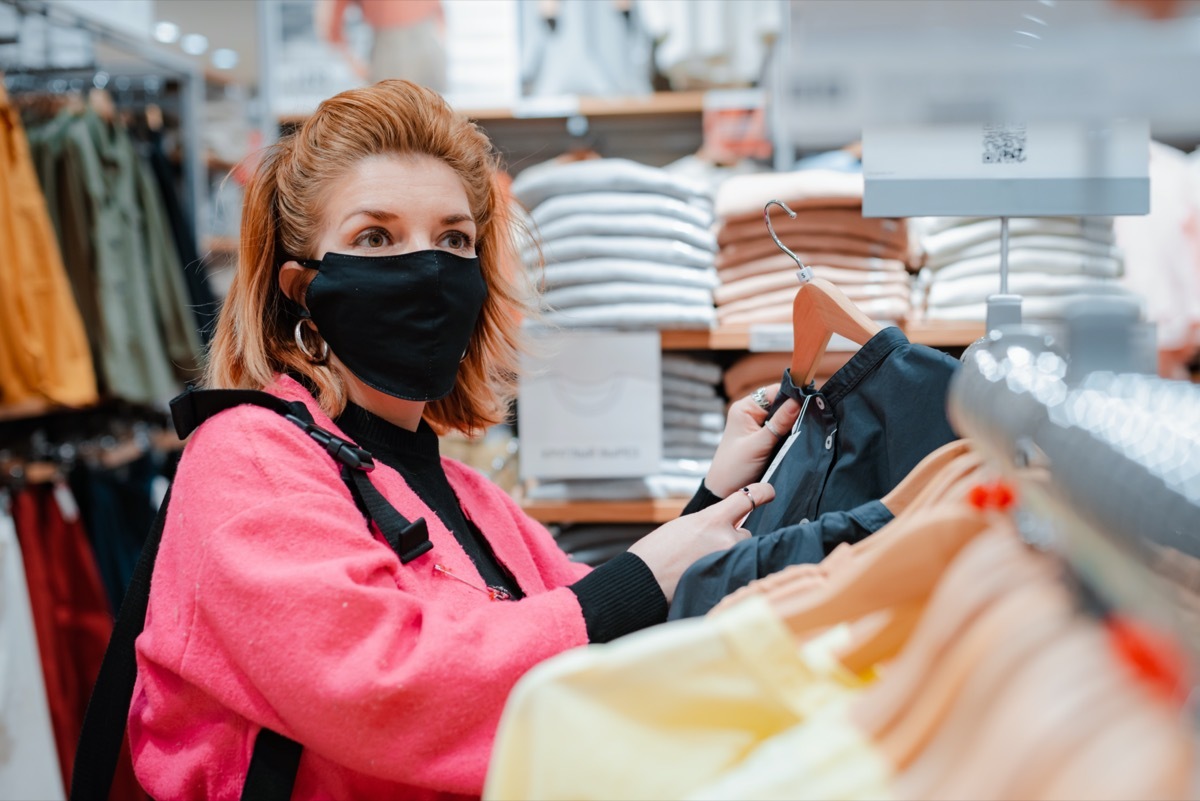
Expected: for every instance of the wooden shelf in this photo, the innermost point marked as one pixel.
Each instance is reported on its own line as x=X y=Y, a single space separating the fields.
x=934 y=333
x=639 y=511
x=655 y=104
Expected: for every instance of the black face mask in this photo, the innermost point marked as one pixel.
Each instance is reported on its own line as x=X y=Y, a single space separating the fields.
x=400 y=323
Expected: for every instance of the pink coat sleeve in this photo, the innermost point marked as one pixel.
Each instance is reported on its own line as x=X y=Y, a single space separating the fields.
x=294 y=617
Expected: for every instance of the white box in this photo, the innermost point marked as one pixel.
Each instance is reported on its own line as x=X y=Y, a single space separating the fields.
x=1007 y=170
x=590 y=405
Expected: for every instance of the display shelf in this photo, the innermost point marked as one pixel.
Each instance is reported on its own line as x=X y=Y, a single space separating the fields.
x=654 y=104
x=934 y=333
x=637 y=511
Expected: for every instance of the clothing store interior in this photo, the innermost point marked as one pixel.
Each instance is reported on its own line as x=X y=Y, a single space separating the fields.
x=828 y=312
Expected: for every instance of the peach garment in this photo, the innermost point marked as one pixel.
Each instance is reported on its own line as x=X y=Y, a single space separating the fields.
x=838 y=222
x=889 y=308
x=747 y=194
x=765 y=369
x=743 y=252
x=385 y=14
x=780 y=261
x=768 y=282
x=857 y=294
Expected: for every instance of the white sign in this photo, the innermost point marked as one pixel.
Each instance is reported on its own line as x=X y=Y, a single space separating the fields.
x=777 y=338
x=590 y=406
x=1007 y=169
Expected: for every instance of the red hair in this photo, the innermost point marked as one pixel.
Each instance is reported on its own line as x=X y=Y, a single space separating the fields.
x=283 y=217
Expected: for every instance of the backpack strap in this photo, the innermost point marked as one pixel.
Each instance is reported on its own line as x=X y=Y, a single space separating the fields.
x=408 y=540
x=275 y=760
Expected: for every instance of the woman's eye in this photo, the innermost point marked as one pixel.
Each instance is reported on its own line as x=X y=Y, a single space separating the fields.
x=374 y=238
x=457 y=240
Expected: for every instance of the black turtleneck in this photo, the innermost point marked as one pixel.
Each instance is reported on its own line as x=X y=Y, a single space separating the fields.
x=617 y=598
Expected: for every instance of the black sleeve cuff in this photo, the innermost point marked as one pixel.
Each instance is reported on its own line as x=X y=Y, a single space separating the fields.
x=703 y=499
x=620 y=597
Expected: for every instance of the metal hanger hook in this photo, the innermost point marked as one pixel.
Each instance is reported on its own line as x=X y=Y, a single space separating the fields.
x=805 y=273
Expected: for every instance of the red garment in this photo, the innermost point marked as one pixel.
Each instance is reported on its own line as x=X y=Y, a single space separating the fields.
x=72 y=619
x=273 y=605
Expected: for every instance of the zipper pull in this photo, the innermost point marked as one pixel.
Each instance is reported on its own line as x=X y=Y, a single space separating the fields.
x=493 y=593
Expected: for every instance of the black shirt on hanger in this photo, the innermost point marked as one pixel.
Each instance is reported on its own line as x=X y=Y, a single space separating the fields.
x=859 y=435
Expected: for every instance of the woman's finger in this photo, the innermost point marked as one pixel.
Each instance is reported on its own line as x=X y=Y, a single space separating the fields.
x=784 y=418
x=741 y=503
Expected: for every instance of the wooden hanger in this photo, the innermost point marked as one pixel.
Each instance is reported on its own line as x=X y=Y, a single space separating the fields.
x=819 y=311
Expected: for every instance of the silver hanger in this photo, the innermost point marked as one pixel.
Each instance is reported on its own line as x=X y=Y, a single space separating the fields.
x=805 y=273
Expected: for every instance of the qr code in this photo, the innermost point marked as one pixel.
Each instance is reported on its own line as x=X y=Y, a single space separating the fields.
x=1003 y=144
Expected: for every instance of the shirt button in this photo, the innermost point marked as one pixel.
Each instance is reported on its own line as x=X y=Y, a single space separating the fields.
x=821 y=403
x=803 y=521
x=829 y=442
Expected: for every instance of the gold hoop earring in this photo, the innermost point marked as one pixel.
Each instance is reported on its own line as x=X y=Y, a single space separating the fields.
x=299 y=335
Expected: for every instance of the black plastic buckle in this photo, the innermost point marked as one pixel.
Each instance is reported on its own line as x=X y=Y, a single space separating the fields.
x=414 y=541
x=342 y=451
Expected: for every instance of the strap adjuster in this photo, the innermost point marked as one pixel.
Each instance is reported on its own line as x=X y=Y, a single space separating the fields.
x=343 y=452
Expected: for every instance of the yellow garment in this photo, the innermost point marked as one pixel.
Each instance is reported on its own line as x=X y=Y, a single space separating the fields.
x=661 y=713
x=44 y=355
x=825 y=758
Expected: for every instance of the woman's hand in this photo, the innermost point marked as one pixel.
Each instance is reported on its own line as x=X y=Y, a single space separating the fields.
x=747 y=445
x=672 y=548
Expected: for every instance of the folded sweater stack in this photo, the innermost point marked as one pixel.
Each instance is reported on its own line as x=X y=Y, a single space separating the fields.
x=693 y=419
x=1052 y=261
x=756 y=370
x=866 y=258
x=625 y=246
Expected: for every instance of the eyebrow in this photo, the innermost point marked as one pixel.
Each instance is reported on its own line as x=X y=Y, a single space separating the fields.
x=387 y=216
x=376 y=214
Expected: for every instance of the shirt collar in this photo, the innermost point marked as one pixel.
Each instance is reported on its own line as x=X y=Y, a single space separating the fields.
x=861 y=364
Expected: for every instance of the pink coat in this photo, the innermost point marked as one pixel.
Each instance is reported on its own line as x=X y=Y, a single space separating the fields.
x=273 y=605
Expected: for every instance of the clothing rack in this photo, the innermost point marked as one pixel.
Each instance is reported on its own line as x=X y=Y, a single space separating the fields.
x=1122 y=502
x=157 y=62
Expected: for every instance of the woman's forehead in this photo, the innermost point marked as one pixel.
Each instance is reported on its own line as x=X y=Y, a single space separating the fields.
x=399 y=186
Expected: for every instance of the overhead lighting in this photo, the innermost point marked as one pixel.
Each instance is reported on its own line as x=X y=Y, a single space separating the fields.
x=194 y=44
x=1027 y=33
x=224 y=59
x=166 y=32
x=1033 y=19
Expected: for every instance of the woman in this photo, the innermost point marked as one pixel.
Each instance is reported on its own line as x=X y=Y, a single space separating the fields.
x=372 y=287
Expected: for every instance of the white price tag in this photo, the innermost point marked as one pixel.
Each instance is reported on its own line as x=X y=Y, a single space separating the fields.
x=771 y=338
